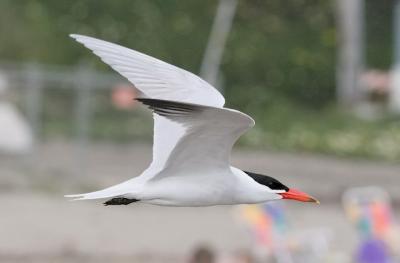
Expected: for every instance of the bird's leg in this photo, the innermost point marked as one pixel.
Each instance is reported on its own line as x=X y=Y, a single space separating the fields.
x=120 y=201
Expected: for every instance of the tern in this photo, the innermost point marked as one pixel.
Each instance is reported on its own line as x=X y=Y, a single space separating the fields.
x=193 y=138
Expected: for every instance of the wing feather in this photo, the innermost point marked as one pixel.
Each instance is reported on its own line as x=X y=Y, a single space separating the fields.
x=153 y=77
x=192 y=130
x=188 y=111
x=208 y=135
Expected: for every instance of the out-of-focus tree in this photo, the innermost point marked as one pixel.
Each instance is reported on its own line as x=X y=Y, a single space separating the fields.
x=276 y=49
x=282 y=49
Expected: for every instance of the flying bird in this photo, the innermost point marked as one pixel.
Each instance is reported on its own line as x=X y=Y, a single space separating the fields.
x=193 y=138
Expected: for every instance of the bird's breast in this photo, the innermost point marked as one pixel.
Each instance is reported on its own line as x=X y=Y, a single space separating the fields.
x=190 y=190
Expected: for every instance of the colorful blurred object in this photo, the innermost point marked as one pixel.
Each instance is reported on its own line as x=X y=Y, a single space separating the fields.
x=265 y=222
x=372 y=251
x=123 y=96
x=273 y=239
x=370 y=211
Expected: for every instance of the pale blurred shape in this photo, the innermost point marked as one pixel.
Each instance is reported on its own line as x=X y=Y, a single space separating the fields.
x=15 y=133
x=3 y=83
x=395 y=91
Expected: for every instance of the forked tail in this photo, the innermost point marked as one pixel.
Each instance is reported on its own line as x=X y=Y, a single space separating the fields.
x=114 y=191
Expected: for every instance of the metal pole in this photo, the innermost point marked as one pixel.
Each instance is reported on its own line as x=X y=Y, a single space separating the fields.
x=83 y=114
x=396 y=33
x=394 y=95
x=216 y=43
x=350 y=19
x=34 y=83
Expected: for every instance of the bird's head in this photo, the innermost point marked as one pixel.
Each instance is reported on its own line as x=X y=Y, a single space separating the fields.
x=281 y=190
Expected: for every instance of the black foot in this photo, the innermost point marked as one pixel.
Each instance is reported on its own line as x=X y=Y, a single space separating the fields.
x=120 y=201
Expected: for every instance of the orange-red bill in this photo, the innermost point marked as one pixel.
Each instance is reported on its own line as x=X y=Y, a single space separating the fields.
x=297 y=195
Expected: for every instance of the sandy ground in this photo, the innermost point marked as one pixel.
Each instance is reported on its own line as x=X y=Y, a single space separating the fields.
x=41 y=226
x=38 y=225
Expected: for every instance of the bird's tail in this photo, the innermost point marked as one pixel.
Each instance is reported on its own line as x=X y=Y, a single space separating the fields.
x=94 y=195
x=113 y=191
x=131 y=189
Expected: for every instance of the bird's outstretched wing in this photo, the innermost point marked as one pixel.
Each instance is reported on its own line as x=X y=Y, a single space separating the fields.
x=155 y=78
x=192 y=130
x=208 y=137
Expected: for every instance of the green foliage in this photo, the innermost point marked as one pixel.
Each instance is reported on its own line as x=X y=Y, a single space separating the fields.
x=172 y=30
x=279 y=64
x=282 y=127
x=379 y=33
x=281 y=49
x=276 y=48
x=329 y=131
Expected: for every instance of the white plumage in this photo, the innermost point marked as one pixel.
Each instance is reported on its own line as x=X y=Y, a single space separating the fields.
x=193 y=137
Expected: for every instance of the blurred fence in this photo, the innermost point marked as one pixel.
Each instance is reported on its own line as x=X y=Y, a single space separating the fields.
x=28 y=82
x=71 y=104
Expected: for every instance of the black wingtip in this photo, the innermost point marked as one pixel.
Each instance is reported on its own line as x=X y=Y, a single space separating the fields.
x=169 y=108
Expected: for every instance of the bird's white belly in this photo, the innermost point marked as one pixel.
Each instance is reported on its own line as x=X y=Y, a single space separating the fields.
x=190 y=191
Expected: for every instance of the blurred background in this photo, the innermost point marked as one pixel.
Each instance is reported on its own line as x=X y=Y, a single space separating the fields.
x=321 y=79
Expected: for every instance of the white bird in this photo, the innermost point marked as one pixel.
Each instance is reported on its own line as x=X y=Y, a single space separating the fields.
x=193 y=138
